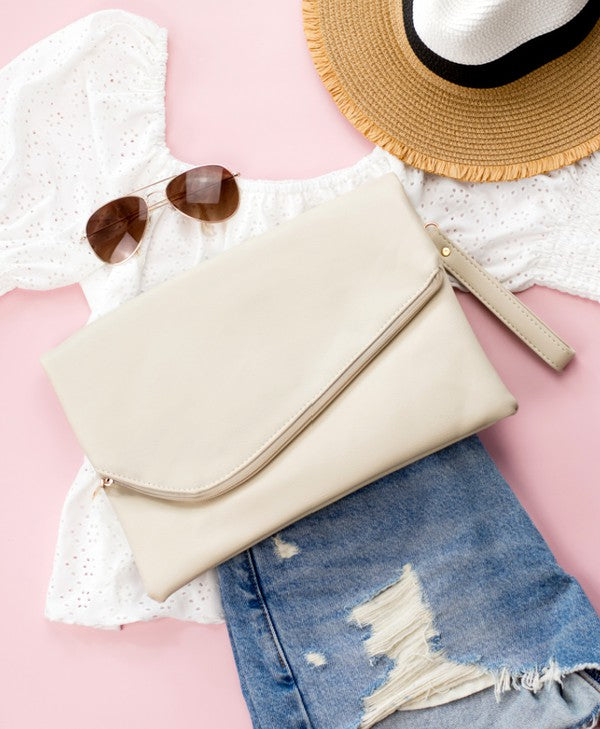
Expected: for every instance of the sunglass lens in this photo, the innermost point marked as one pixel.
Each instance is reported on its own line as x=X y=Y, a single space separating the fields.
x=115 y=230
x=207 y=193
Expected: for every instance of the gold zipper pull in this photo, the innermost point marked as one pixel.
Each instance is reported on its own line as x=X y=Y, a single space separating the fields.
x=104 y=482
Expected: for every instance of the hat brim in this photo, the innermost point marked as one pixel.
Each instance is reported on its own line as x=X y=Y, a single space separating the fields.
x=545 y=120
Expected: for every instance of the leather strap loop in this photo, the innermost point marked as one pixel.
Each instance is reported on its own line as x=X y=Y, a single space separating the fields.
x=501 y=302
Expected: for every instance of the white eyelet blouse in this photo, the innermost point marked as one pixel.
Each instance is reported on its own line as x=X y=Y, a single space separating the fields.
x=82 y=121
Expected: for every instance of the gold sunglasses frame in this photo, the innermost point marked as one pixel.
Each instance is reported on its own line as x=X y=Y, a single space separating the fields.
x=155 y=206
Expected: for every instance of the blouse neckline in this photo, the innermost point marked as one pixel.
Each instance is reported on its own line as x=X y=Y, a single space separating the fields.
x=376 y=157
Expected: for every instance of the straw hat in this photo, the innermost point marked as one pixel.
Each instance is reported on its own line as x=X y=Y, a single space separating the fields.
x=486 y=90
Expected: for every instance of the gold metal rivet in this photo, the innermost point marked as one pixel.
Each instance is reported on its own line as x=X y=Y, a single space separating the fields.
x=445 y=251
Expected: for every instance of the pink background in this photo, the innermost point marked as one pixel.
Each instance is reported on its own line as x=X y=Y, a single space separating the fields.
x=241 y=91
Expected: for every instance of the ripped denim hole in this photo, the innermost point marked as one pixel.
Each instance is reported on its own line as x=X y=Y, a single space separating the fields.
x=402 y=628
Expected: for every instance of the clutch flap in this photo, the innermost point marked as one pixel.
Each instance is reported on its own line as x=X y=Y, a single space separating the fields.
x=192 y=387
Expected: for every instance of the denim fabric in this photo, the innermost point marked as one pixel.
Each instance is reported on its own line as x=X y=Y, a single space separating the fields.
x=498 y=599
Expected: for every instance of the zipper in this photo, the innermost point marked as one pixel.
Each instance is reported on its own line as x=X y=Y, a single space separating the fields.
x=244 y=473
x=105 y=481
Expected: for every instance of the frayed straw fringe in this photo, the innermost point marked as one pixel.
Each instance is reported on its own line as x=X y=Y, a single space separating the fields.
x=457 y=170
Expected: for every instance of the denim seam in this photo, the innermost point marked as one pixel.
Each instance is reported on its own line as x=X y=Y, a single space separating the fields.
x=256 y=722
x=274 y=635
x=585 y=722
x=589 y=679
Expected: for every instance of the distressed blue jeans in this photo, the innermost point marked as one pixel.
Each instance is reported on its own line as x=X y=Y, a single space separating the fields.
x=425 y=600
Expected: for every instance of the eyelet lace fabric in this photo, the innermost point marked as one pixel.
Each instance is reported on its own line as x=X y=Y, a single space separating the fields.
x=82 y=121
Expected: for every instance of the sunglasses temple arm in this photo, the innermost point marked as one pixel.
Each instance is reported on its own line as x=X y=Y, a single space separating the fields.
x=164 y=179
x=166 y=200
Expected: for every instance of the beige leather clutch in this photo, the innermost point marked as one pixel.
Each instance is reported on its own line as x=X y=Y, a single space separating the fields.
x=274 y=379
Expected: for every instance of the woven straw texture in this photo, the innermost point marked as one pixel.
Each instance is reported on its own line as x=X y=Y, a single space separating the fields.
x=543 y=121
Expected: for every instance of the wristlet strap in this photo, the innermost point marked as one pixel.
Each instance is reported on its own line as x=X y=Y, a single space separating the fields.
x=501 y=302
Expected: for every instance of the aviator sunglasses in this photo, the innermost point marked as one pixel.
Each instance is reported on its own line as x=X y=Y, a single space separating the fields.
x=208 y=193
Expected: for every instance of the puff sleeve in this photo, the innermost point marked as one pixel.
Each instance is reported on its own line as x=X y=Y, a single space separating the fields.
x=80 y=113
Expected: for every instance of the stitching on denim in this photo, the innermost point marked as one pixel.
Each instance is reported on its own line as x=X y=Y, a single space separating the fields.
x=585 y=723
x=248 y=696
x=271 y=625
x=585 y=675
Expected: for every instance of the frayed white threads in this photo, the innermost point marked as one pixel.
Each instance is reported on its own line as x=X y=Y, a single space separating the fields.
x=284 y=549
x=533 y=680
x=315 y=659
x=401 y=627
